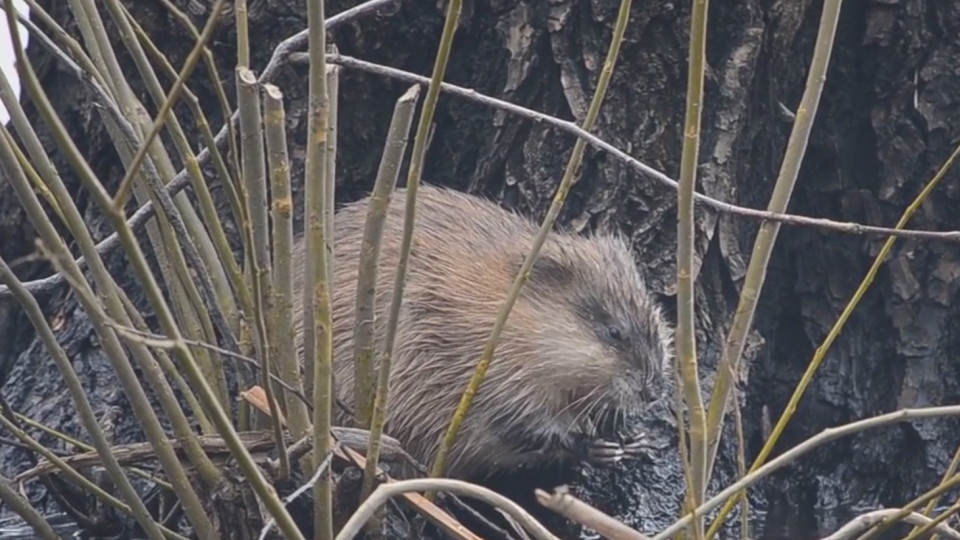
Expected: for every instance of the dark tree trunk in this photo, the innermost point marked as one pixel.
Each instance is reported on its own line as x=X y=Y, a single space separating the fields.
x=890 y=116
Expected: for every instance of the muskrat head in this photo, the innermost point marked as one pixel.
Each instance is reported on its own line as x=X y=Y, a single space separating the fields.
x=605 y=328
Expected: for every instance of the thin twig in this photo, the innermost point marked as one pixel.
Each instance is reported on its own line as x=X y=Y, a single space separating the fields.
x=281 y=56
x=919 y=531
x=834 y=332
x=120 y=200
x=570 y=172
x=767 y=235
x=126 y=130
x=572 y=508
x=164 y=314
x=788 y=457
x=156 y=437
x=120 y=122
x=638 y=166
x=163 y=359
x=60 y=436
x=385 y=491
x=450 y=23
x=905 y=510
x=80 y=479
x=865 y=521
x=227 y=176
x=223 y=262
x=51 y=237
x=301 y=490
x=146 y=211
x=22 y=507
x=741 y=467
x=162 y=342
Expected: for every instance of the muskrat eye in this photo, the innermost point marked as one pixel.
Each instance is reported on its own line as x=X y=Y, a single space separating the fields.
x=614 y=333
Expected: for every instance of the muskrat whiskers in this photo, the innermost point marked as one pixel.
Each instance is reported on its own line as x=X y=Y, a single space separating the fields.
x=589 y=412
x=590 y=398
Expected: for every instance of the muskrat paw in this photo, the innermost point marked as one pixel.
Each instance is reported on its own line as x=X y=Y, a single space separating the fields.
x=636 y=446
x=605 y=452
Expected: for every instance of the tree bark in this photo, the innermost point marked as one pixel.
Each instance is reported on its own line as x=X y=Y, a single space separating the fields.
x=890 y=116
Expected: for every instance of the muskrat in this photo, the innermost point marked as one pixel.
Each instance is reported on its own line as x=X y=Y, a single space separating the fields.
x=584 y=348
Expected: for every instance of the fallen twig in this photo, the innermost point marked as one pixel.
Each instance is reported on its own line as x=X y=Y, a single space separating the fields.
x=865 y=521
x=383 y=493
x=572 y=508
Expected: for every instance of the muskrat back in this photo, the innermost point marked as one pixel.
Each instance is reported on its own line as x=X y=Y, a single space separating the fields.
x=585 y=345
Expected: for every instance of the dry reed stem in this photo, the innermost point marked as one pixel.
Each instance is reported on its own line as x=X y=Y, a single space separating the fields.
x=450 y=23
x=106 y=287
x=570 y=172
x=281 y=306
x=142 y=269
x=767 y=235
x=318 y=350
x=686 y=360
x=256 y=227
x=389 y=169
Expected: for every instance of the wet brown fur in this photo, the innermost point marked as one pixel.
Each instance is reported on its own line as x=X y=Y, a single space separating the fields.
x=555 y=381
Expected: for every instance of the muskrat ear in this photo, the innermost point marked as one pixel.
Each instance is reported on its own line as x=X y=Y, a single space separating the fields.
x=549 y=271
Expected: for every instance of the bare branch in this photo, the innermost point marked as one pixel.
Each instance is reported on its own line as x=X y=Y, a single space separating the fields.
x=865 y=521
x=825 y=436
x=572 y=508
x=383 y=493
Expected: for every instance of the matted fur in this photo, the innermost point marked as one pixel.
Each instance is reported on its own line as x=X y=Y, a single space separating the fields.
x=558 y=378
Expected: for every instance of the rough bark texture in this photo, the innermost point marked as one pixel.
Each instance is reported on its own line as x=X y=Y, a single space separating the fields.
x=890 y=115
